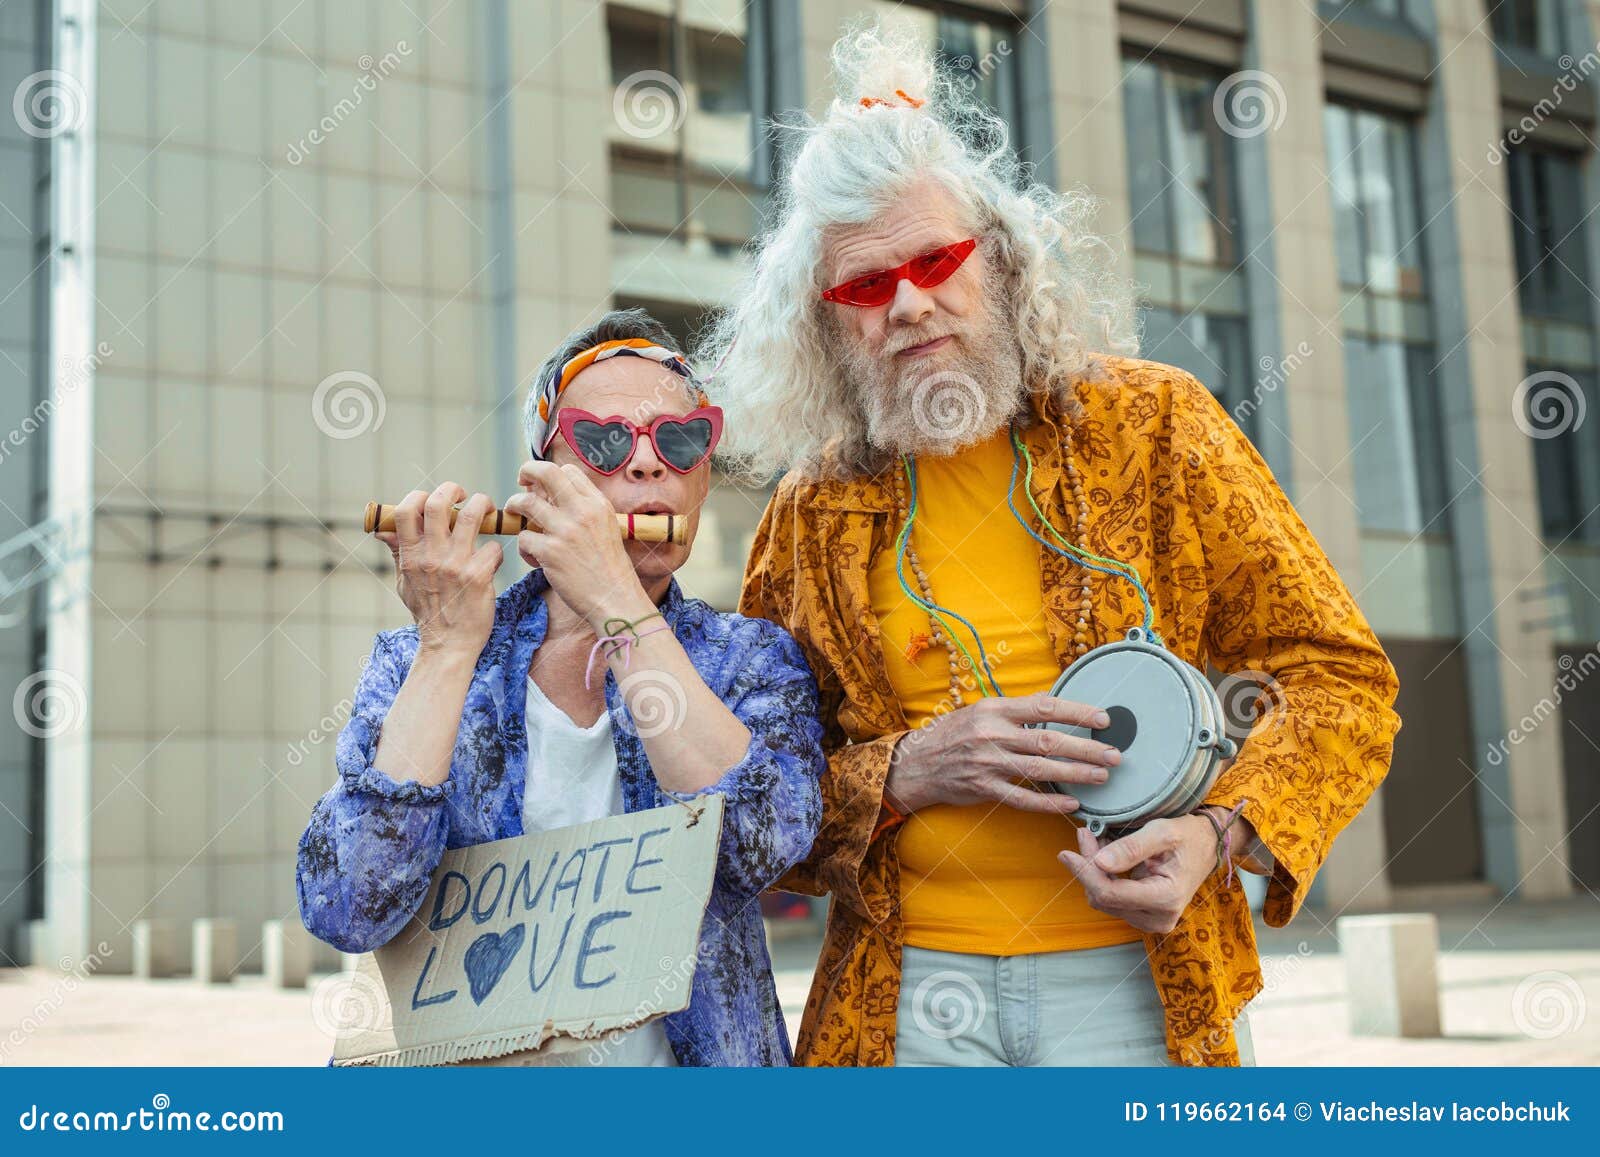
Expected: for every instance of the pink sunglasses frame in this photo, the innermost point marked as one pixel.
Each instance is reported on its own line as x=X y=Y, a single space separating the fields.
x=569 y=416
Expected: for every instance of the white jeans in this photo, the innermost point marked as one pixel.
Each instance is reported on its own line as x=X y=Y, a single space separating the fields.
x=1094 y=1006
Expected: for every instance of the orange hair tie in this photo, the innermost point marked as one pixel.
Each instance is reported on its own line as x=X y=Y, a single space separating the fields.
x=911 y=101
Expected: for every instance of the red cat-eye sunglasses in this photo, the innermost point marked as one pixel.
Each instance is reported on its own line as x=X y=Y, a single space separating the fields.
x=925 y=270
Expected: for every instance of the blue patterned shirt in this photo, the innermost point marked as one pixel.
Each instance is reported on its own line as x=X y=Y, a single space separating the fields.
x=367 y=857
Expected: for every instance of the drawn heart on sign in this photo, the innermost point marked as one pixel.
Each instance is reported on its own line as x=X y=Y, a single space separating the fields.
x=487 y=959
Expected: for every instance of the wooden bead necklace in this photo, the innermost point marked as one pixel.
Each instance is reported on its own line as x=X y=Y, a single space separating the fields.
x=959 y=661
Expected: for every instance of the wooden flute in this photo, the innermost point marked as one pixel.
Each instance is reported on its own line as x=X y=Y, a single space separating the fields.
x=644 y=527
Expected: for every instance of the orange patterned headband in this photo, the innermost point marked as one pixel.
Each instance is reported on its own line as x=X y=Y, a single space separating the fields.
x=542 y=402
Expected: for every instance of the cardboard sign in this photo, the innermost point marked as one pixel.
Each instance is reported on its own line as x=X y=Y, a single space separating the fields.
x=565 y=934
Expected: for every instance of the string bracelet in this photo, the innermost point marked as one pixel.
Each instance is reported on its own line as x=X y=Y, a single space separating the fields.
x=615 y=626
x=1225 y=835
x=614 y=640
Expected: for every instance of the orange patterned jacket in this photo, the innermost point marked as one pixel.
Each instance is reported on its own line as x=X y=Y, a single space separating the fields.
x=1236 y=578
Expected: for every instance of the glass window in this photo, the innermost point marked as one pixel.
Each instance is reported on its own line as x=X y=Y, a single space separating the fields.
x=1547 y=215
x=1213 y=348
x=1567 y=464
x=1373 y=177
x=720 y=134
x=1338 y=127
x=1147 y=179
x=1396 y=436
x=640 y=42
x=1395 y=453
x=1185 y=225
x=684 y=153
x=1180 y=165
x=979 y=50
x=1394 y=8
x=1533 y=25
x=1391 y=15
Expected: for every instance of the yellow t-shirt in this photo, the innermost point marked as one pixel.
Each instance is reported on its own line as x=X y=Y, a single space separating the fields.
x=980 y=878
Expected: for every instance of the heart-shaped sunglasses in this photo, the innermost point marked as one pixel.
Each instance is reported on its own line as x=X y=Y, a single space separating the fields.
x=606 y=445
x=925 y=270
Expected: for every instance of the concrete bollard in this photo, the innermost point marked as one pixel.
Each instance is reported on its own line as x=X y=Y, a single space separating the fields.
x=216 y=950
x=1391 y=973
x=285 y=953
x=155 y=949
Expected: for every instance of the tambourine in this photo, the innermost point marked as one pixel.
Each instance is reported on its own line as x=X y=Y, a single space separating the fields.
x=1165 y=719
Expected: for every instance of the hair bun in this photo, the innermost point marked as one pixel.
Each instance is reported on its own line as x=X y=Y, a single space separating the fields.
x=901 y=98
x=883 y=65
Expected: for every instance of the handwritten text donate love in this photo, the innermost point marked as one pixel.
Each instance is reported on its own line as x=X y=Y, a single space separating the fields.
x=575 y=931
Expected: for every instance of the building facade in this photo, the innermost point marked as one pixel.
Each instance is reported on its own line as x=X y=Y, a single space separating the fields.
x=264 y=262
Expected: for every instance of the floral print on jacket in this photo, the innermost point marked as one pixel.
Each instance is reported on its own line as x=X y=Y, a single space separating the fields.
x=1237 y=580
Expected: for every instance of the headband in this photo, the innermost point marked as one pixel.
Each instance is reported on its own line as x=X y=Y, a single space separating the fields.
x=542 y=405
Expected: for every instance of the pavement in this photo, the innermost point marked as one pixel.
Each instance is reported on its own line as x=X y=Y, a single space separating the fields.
x=1519 y=984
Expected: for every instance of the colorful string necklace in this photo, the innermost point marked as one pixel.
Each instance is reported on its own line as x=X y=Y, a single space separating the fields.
x=905 y=492
x=1078 y=554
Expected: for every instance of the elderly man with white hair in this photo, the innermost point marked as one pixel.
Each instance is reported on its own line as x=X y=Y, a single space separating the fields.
x=982 y=486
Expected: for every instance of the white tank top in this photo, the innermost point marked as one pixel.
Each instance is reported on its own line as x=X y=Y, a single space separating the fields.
x=572 y=779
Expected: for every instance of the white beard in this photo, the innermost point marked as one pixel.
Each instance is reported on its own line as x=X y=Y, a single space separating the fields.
x=937 y=405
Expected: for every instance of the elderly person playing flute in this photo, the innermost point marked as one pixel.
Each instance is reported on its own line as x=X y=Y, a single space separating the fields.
x=589 y=688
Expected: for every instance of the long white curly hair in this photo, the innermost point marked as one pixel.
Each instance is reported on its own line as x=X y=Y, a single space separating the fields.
x=780 y=380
